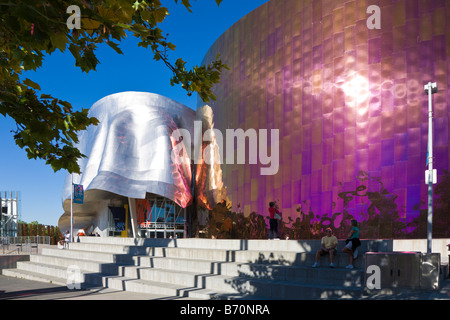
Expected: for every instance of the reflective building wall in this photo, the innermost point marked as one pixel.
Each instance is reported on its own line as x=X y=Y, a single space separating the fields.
x=351 y=110
x=129 y=154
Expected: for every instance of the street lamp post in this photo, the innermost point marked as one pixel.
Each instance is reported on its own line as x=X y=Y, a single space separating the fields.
x=430 y=174
x=71 y=208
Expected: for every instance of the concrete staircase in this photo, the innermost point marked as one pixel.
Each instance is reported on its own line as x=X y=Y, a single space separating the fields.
x=201 y=268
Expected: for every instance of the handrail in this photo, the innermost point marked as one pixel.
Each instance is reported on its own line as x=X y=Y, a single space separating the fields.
x=25 y=240
x=25 y=243
x=13 y=251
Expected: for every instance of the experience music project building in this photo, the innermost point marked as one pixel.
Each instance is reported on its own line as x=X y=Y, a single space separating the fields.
x=350 y=107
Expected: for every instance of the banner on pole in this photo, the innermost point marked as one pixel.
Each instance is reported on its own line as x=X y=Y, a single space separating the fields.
x=78 y=194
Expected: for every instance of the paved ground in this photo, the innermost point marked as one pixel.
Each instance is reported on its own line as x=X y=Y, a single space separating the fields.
x=442 y=294
x=20 y=289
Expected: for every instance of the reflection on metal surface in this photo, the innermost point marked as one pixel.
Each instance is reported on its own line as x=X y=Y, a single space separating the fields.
x=208 y=179
x=129 y=154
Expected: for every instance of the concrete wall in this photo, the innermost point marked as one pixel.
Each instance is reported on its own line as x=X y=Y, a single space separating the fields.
x=438 y=246
x=10 y=261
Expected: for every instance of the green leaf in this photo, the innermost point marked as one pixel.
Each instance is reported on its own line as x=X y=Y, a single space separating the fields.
x=146 y=15
x=59 y=41
x=160 y=14
x=46 y=96
x=31 y=84
x=171 y=46
x=66 y=104
x=90 y=24
x=115 y=46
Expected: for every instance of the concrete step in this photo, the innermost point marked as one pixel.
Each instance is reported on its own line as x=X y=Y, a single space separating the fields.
x=237 y=244
x=256 y=270
x=34 y=276
x=253 y=256
x=147 y=286
x=231 y=269
x=133 y=285
x=238 y=287
x=45 y=269
x=107 y=275
x=171 y=270
x=104 y=257
x=108 y=254
x=326 y=276
x=87 y=265
x=72 y=275
x=279 y=252
x=108 y=248
x=218 y=287
x=185 y=279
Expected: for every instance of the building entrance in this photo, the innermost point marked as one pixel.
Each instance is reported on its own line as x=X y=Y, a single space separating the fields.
x=160 y=217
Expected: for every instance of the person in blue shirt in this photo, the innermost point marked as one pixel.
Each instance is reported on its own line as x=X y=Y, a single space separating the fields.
x=352 y=244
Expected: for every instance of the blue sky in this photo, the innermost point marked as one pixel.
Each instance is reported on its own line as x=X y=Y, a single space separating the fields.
x=192 y=33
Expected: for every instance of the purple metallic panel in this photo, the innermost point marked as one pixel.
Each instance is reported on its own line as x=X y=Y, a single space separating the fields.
x=350 y=107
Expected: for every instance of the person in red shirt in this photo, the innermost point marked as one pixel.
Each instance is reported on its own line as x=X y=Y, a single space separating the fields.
x=273 y=221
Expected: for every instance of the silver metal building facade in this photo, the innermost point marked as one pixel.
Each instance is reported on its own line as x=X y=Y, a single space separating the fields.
x=135 y=179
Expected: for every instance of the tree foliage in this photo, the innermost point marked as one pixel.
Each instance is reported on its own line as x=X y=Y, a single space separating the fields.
x=47 y=127
x=34 y=229
x=222 y=223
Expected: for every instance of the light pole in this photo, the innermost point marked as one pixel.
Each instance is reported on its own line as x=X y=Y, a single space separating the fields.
x=430 y=174
x=71 y=207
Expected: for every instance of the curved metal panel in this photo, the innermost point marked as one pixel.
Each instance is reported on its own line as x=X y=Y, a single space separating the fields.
x=130 y=152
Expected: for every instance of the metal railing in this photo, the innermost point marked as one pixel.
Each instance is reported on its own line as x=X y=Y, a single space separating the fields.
x=22 y=244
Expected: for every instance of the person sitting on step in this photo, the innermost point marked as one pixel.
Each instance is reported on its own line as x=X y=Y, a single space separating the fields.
x=329 y=244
